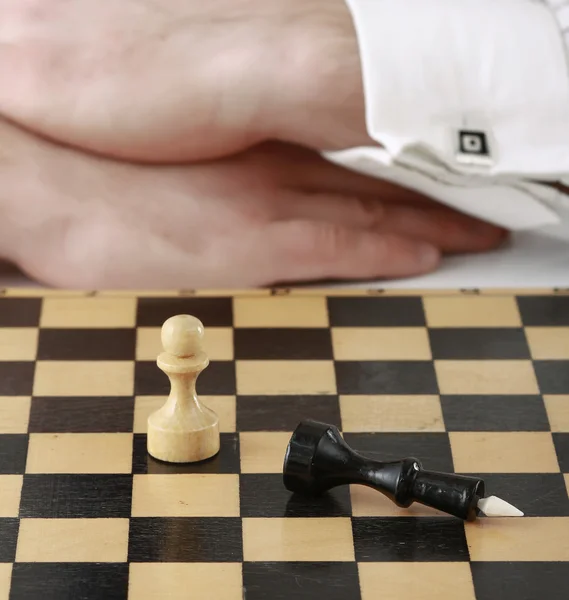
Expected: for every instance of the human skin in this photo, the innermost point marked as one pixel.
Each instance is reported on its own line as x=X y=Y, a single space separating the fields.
x=274 y=214
x=182 y=80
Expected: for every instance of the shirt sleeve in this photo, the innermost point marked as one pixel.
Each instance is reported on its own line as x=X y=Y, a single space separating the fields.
x=468 y=102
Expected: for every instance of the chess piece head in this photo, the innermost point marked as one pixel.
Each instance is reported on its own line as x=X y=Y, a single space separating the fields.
x=316 y=459
x=182 y=336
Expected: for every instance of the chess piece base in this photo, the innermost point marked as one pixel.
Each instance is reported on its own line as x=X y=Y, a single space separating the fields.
x=179 y=446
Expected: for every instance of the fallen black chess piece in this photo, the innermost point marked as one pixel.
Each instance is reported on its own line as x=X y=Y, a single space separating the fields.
x=318 y=459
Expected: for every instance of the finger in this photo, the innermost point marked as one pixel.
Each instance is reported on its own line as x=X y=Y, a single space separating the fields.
x=449 y=230
x=310 y=250
x=303 y=169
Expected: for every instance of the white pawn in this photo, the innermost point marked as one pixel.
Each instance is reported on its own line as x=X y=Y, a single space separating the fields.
x=183 y=430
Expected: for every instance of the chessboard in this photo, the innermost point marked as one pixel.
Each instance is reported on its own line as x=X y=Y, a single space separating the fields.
x=473 y=382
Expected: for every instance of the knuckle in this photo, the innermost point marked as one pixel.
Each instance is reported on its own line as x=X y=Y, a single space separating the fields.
x=322 y=242
x=371 y=211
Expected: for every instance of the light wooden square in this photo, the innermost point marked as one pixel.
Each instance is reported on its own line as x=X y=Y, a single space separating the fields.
x=298 y=539
x=471 y=311
x=280 y=311
x=486 y=377
x=88 y=312
x=519 y=539
x=420 y=580
x=14 y=414
x=79 y=453
x=263 y=452
x=557 y=408
x=5 y=580
x=84 y=378
x=548 y=343
x=566 y=476
x=218 y=343
x=223 y=406
x=281 y=377
x=367 y=503
x=503 y=452
x=381 y=343
x=73 y=540
x=18 y=343
x=10 y=492
x=391 y=413
x=172 y=581
x=185 y=495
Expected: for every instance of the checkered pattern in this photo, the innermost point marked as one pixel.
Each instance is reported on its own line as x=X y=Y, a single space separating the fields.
x=472 y=383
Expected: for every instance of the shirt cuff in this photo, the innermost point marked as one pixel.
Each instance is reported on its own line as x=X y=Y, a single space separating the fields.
x=468 y=100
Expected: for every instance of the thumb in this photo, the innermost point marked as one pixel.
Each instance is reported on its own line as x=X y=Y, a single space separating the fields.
x=311 y=250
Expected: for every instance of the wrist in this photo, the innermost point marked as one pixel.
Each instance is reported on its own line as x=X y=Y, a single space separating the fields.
x=322 y=103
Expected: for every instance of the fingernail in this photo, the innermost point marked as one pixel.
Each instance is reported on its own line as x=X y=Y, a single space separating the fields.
x=428 y=255
x=483 y=230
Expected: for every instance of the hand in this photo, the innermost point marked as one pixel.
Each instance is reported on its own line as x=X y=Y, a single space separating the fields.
x=183 y=80
x=273 y=214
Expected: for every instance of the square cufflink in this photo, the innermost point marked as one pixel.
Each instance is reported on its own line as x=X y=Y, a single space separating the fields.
x=473 y=147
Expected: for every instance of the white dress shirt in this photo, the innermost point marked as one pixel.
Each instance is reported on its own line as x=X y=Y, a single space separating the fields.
x=468 y=101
